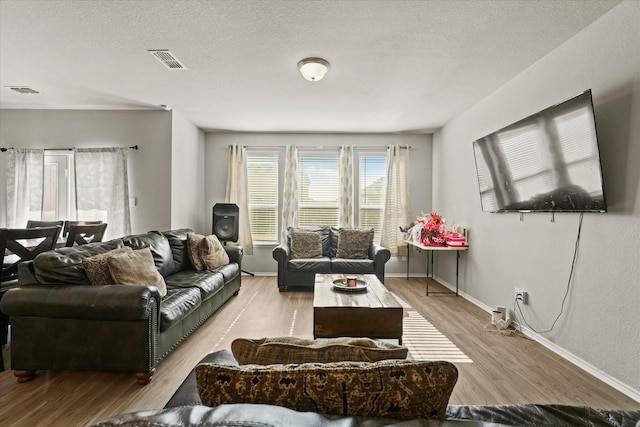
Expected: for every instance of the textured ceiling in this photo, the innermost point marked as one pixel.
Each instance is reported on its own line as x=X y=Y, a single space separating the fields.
x=396 y=65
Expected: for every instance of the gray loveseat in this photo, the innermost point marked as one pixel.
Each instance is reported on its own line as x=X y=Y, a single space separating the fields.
x=299 y=271
x=60 y=321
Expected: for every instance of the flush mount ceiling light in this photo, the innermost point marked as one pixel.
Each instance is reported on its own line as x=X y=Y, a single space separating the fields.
x=313 y=69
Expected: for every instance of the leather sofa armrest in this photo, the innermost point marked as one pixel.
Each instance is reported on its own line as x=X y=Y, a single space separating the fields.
x=110 y=302
x=236 y=253
x=26 y=273
x=281 y=253
x=379 y=253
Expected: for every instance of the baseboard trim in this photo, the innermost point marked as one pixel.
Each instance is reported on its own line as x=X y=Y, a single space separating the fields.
x=613 y=382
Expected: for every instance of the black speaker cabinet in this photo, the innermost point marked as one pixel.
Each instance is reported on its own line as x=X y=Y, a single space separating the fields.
x=225 y=221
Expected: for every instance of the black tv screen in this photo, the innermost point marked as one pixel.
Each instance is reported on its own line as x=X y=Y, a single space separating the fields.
x=547 y=162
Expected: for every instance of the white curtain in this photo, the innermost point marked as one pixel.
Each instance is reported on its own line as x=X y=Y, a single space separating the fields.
x=238 y=193
x=396 y=206
x=102 y=188
x=25 y=170
x=290 y=191
x=345 y=165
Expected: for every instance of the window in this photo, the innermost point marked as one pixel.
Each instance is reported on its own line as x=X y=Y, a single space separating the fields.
x=262 y=182
x=372 y=189
x=58 y=188
x=318 y=189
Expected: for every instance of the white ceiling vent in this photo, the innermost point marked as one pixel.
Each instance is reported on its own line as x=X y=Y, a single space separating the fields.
x=22 y=89
x=168 y=59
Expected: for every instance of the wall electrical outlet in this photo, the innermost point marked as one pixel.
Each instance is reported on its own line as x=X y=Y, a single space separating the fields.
x=520 y=295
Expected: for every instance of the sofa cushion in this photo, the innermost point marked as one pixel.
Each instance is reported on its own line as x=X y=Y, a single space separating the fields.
x=212 y=252
x=282 y=350
x=159 y=246
x=310 y=265
x=178 y=243
x=136 y=268
x=306 y=244
x=354 y=243
x=209 y=282
x=352 y=266
x=97 y=268
x=177 y=304
x=64 y=265
x=228 y=271
x=387 y=389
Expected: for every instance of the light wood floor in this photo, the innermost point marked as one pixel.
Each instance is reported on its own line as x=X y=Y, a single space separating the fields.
x=504 y=369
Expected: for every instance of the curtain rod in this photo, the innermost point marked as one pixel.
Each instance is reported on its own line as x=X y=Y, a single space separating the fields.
x=321 y=147
x=3 y=149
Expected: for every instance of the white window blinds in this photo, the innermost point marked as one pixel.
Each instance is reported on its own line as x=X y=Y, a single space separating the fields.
x=372 y=189
x=318 y=189
x=262 y=177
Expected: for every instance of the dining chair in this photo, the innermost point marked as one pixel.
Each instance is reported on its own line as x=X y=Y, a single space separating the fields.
x=83 y=234
x=18 y=245
x=39 y=224
x=69 y=223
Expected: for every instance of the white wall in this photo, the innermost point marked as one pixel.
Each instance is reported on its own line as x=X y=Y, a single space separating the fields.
x=149 y=167
x=262 y=262
x=187 y=175
x=601 y=322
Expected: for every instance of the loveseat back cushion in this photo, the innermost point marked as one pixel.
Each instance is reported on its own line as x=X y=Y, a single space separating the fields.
x=394 y=389
x=178 y=242
x=160 y=249
x=353 y=243
x=64 y=265
x=282 y=350
x=324 y=236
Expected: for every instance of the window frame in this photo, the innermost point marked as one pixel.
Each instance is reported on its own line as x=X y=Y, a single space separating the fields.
x=315 y=153
x=261 y=151
x=357 y=171
x=65 y=197
x=332 y=152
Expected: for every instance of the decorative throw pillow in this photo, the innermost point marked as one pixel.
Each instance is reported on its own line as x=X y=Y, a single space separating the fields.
x=136 y=268
x=394 y=389
x=354 y=243
x=193 y=248
x=283 y=350
x=206 y=252
x=306 y=244
x=97 y=268
x=212 y=253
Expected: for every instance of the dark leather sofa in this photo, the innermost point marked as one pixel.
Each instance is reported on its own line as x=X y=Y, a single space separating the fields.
x=296 y=273
x=185 y=409
x=60 y=321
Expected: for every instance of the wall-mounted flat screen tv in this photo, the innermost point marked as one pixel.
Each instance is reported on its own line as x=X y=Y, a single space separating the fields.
x=547 y=162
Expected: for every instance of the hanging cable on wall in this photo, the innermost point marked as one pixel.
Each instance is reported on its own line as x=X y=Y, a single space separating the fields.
x=516 y=302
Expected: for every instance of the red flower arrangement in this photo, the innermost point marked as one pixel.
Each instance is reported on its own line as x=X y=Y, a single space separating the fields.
x=430 y=230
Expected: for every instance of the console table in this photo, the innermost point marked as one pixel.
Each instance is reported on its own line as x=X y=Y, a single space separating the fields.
x=430 y=251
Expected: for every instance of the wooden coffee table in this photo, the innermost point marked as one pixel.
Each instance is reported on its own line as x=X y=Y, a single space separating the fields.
x=373 y=313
